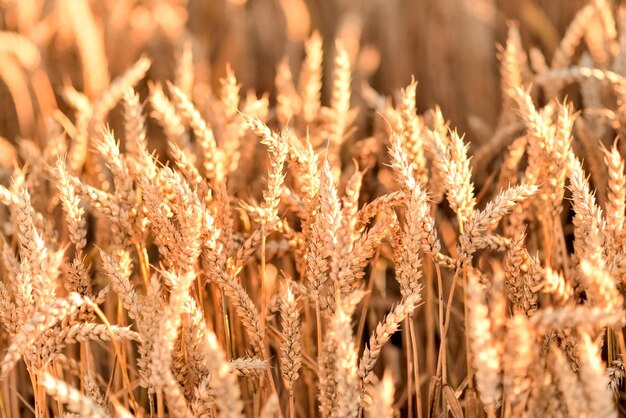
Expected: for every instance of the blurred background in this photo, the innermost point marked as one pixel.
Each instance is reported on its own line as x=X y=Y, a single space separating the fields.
x=449 y=46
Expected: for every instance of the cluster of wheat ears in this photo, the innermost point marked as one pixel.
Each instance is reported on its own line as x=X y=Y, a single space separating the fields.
x=283 y=260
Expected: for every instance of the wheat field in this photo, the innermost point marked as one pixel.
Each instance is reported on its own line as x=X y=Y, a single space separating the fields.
x=253 y=209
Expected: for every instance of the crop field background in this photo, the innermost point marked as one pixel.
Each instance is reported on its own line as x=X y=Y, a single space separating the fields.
x=299 y=208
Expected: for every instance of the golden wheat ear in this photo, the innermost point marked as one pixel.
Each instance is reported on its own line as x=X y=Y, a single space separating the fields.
x=75 y=401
